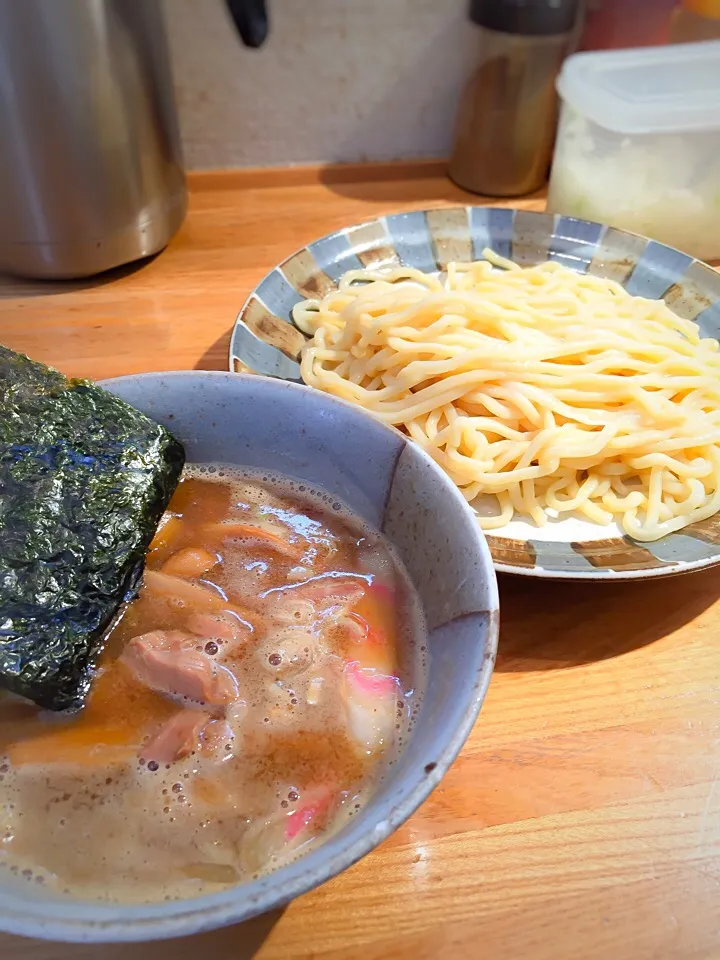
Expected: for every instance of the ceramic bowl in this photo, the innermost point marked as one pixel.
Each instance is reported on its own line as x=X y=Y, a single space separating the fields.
x=392 y=484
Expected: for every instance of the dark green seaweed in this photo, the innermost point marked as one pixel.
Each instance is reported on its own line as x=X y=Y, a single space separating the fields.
x=84 y=480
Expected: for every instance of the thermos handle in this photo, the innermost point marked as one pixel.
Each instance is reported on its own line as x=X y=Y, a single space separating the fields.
x=250 y=18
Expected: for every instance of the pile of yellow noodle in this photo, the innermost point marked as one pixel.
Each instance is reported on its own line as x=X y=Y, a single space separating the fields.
x=551 y=390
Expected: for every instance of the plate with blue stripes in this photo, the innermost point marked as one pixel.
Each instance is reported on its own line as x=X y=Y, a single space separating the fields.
x=265 y=341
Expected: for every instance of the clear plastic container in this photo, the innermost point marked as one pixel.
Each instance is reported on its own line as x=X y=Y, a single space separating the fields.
x=639 y=143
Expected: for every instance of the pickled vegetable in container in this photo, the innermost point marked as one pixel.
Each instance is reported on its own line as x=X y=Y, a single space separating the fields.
x=639 y=141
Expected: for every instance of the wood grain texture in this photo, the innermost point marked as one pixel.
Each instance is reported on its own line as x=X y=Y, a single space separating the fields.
x=582 y=819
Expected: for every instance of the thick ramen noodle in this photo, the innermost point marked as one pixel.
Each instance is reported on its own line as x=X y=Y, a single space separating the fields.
x=247 y=703
x=540 y=391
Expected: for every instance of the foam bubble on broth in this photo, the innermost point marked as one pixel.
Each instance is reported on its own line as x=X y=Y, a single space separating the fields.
x=125 y=829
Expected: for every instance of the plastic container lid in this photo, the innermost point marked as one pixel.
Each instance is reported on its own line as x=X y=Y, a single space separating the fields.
x=669 y=89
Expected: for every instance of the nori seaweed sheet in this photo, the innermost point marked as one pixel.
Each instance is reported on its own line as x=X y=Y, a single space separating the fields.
x=84 y=480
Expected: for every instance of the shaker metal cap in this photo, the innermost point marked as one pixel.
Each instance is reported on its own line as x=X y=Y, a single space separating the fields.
x=529 y=17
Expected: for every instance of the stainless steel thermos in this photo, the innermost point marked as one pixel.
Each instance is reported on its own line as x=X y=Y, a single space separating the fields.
x=91 y=172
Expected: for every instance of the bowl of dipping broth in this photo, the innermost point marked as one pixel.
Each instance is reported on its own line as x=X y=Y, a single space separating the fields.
x=309 y=649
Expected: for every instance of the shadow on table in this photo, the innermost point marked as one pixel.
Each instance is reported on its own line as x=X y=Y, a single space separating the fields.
x=423 y=182
x=549 y=625
x=19 y=287
x=217 y=354
x=394 y=182
x=239 y=942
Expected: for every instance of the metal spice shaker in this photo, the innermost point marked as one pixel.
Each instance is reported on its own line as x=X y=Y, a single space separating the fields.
x=507 y=119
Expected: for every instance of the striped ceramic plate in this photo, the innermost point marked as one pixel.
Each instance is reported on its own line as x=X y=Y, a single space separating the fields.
x=265 y=341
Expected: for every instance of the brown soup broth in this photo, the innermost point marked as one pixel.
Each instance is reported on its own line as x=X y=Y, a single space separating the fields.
x=247 y=703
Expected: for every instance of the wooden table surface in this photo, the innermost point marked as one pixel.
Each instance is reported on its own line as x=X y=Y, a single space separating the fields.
x=582 y=819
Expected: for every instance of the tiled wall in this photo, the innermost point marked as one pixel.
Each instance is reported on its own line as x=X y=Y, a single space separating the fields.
x=337 y=81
